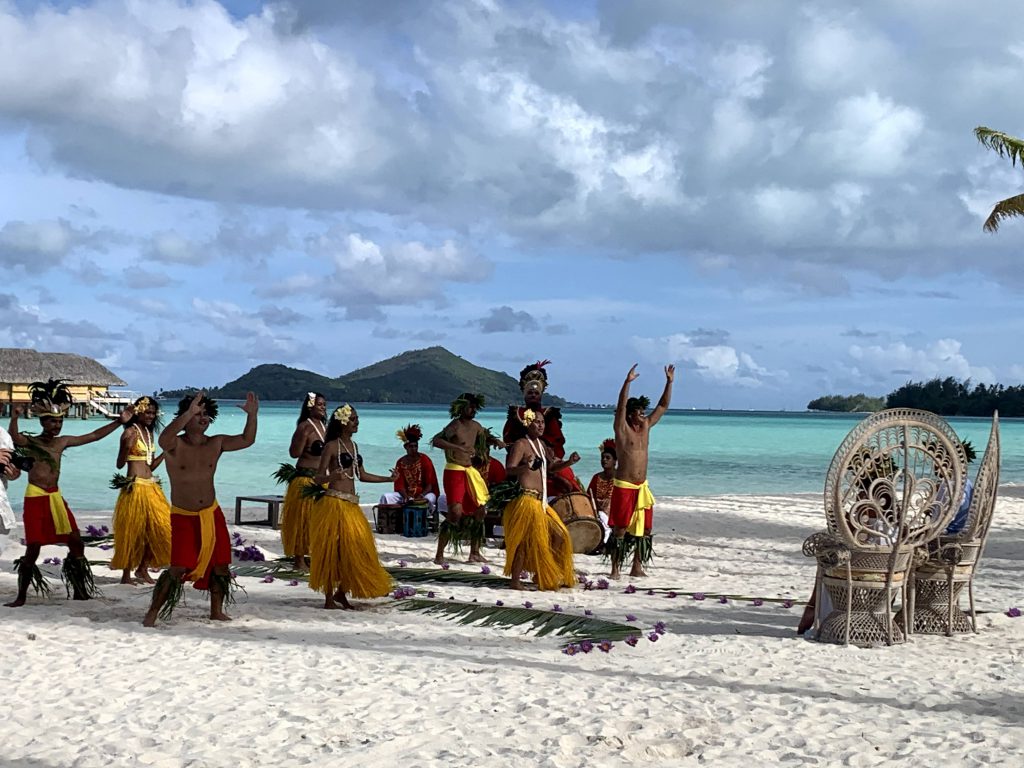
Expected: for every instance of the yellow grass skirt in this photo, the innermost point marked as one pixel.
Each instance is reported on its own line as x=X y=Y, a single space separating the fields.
x=344 y=554
x=529 y=524
x=297 y=518
x=142 y=527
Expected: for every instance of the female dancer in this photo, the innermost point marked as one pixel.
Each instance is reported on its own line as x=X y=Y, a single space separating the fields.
x=306 y=447
x=142 y=516
x=344 y=554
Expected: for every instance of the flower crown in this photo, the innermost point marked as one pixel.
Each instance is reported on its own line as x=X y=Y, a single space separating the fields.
x=145 y=402
x=310 y=399
x=342 y=413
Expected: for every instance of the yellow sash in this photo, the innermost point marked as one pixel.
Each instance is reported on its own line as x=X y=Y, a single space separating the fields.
x=644 y=499
x=206 y=535
x=58 y=511
x=476 y=482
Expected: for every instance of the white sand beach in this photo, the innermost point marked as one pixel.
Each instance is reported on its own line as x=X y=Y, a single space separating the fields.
x=286 y=684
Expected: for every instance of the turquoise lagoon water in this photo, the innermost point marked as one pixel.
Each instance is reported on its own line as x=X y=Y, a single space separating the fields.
x=693 y=453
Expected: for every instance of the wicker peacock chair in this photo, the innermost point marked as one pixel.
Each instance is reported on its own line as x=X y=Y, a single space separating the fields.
x=952 y=559
x=894 y=484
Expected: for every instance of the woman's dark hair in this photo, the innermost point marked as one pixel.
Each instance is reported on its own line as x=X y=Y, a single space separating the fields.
x=307 y=408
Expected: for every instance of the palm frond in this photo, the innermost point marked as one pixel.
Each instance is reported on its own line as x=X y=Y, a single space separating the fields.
x=709 y=595
x=283 y=568
x=313 y=491
x=1004 y=209
x=538 y=622
x=1003 y=143
x=425 y=575
x=34 y=450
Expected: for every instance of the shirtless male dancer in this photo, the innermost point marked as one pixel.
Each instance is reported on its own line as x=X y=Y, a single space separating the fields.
x=200 y=545
x=462 y=441
x=48 y=519
x=632 y=505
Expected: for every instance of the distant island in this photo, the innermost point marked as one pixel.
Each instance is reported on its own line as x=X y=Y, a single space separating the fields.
x=420 y=376
x=859 y=403
x=946 y=397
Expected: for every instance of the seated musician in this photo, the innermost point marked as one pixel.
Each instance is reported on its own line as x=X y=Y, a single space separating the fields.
x=415 y=478
x=600 y=488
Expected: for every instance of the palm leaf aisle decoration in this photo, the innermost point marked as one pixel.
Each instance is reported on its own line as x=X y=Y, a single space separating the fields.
x=1013 y=148
x=536 y=621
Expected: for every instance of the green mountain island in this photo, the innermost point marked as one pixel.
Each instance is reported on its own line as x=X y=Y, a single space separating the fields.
x=420 y=376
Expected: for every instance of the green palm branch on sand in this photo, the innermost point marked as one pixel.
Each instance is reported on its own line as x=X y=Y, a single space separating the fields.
x=1013 y=148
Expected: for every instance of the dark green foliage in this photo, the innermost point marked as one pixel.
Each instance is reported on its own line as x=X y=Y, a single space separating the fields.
x=313 y=491
x=287 y=472
x=76 y=574
x=37 y=581
x=859 y=403
x=952 y=397
x=175 y=593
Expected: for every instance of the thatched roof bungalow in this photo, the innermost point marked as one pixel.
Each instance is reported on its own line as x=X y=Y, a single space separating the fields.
x=85 y=377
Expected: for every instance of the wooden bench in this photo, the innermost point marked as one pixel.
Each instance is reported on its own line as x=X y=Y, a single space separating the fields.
x=273 y=503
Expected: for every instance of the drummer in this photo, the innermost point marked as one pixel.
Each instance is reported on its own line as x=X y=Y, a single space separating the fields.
x=600 y=488
x=415 y=476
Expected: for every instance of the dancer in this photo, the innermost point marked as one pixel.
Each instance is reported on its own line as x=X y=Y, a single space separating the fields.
x=48 y=518
x=415 y=476
x=142 y=516
x=344 y=556
x=600 y=488
x=307 y=447
x=462 y=441
x=536 y=540
x=9 y=470
x=200 y=546
x=632 y=505
x=533 y=381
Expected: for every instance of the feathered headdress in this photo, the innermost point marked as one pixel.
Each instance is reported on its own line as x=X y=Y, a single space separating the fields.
x=342 y=414
x=460 y=403
x=534 y=376
x=50 y=398
x=209 y=406
x=608 y=446
x=642 y=403
x=412 y=433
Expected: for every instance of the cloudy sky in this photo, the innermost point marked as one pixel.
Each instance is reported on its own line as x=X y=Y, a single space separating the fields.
x=784 y=199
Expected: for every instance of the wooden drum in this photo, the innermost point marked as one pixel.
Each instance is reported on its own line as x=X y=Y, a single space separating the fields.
x=578 y=514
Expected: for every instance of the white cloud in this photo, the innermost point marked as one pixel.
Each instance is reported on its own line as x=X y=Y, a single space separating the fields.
x=719 y=363
x=38 y=244
x=900 y=361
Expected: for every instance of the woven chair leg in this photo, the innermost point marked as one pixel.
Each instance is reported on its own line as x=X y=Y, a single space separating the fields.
x=970 y=598
x=949 y=610
x=849 y=603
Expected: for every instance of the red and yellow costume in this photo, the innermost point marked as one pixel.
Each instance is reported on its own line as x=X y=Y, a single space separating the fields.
x=632 y=507
x=344 y=552
x=600 y=489
x=200 y=542
x=563 y=480
x=48 y=518
x=413 y=479
x=530 y=524
x=465 y=486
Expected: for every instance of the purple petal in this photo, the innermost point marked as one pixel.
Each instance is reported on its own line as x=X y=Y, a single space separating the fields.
x=498 y=603
x=556 y=608
x=485 y=570
x=1013 y=613
x=445 y=566
x=402 y=563
x=787 y=603
x=430 y=595
x=698 y=595
x=632 y=640
x=527 y=604
x=629 y=590
x=653 y=637
x=588 y=612
x=606 y=645
x=723 y=599
x=602 y=583
x=293 y=583
x=630 y=617
x=757 y=601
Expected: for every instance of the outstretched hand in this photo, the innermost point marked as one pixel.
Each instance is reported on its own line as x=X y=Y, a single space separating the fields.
x=574 y=457
x=670 y=373
x=126 y=414
x=196 y=407
x=17 y=412
x=251 y=404
x=632 y=375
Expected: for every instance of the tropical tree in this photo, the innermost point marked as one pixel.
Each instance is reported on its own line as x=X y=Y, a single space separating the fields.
x=1013 y=148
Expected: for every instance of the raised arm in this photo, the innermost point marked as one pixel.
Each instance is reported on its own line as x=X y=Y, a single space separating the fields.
x=237 y=442
x=169 y=435
x=620 y=407
x=666 y=397
x=12 y=428
x=99 y=434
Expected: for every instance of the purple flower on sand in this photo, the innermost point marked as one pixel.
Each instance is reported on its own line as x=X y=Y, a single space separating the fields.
x=499 y=603
x=659 y=627
x=650 y=591
x=671 y=595
x=630 y=617
x=606 y=645
x=402 y=563
x=268 y=579
x=653 y=637
x=602 y=583
x=588 y=585
x=527 y=604
x=104 y=529
x=757 y=601
x=629 y=590
x=723 y=600
x=556 y=608
x=398 y=594
x=430 y=595
x=787 y=603
x=445 y=566
x=632 y=640
x=581 y=578
x=586 y=646
x=293 y=583
x=106 y=546
x=409 y=591
x=523 y=575
x=1013 y=613
x=588 y=612
x=571 y=649
x=485 y=570
x=698 y=595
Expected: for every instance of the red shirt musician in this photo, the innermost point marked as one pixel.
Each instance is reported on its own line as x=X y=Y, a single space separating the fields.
x=415 y=478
